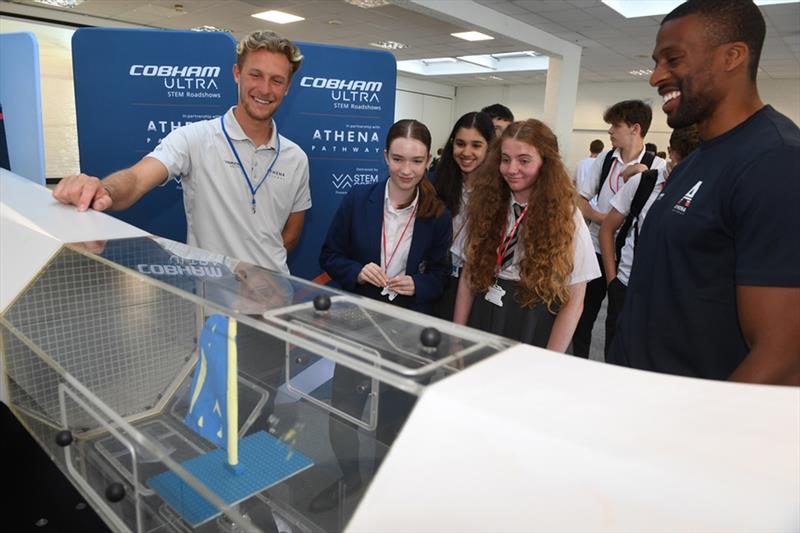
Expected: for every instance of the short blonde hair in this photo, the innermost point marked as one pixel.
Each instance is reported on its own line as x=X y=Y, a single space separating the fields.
x=271 y=42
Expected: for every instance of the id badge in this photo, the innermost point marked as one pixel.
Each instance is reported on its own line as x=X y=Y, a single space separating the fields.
x=389 y=292
x=495 y=295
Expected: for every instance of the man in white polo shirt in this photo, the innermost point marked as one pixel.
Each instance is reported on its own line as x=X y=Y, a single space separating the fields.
x=245 y=187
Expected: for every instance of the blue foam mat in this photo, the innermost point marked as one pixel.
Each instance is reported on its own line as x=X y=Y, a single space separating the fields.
x=266 y=462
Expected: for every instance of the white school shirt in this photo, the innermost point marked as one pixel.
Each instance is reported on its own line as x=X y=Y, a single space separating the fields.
x=584 y=262
x=217 y=198
x=622 y=202
x=460 y=231
x=582 y=170
x=588 y=187
x=394 y=220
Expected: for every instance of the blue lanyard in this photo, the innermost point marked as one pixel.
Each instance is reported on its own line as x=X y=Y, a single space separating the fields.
x=253 y=190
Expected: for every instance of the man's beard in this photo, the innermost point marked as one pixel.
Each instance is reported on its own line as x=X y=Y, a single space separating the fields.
x=693 y=108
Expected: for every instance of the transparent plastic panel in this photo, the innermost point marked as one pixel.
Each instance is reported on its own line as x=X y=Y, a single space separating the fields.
x=124 y=339
x=159 y=360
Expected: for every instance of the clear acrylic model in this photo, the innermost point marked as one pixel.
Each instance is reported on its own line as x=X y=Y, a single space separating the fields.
x=185 y=391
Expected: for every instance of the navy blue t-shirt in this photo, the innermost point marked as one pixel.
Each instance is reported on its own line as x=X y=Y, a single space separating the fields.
x=728 y=216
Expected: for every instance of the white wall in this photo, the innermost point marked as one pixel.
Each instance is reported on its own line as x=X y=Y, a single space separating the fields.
x=526 y=101
x=430 y=103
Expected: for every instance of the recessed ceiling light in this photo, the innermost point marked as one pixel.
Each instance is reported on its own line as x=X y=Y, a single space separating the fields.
x=472 y=36
x=335 y=22
x=278 y=17
x=389 y=45
x=493 y=77
x=368 y=4
x=640 y=72
x=60 y=3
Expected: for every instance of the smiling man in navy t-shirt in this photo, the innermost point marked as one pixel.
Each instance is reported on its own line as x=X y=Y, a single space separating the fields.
x=715 y=287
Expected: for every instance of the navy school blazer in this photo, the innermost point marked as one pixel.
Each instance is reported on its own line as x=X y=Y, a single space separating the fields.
x=354 y=239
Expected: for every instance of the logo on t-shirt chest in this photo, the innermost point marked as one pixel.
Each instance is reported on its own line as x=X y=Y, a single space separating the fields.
x=277 y=174
x=686 y=200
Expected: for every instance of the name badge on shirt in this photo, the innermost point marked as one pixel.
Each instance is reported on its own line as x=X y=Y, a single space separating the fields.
x=495 y=295
x=389 y=292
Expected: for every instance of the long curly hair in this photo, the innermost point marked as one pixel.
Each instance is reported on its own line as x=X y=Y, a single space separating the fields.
x=448 y=179
x=546 y=232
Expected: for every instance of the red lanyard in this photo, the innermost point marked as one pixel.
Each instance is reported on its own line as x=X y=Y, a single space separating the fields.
x=397 y=243
x=501 y=251
x=611 y=173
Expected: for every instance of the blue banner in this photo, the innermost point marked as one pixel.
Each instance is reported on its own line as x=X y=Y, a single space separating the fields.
x=339 y=108
x=133 y=87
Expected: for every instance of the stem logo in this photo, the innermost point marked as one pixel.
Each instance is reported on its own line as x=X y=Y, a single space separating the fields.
x=343 y=182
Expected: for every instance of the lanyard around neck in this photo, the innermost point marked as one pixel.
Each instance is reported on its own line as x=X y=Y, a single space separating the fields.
x=501 y=251
x=253 y=190
x=388 y=258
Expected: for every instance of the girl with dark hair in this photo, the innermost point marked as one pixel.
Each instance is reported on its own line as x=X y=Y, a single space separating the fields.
x=390 y=240
x=463 y=154
x=528 y=251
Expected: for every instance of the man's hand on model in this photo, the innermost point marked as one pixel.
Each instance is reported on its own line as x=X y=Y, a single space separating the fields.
x=83 y=191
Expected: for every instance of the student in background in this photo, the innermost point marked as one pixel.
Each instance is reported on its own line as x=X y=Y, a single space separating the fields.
x=463 y=155
x=651 y=147
x=435 y=162
x=630 y=121
x=595 y=147
x=628 y=210
x=529 y=253
x=501 y=117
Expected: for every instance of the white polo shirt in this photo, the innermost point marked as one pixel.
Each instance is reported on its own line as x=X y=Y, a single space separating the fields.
x=622 y=202
x=217 y=198
x=588 y=186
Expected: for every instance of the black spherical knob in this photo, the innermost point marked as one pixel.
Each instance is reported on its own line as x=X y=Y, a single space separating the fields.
x=64 y=438
x=430 y=337
x=322 y=302
x=115 y=492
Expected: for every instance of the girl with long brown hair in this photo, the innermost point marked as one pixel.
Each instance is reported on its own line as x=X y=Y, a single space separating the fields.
x=528 y=251
x=390 y=240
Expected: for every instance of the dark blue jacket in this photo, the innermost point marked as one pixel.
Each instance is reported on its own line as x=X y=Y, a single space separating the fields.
x=354 y=239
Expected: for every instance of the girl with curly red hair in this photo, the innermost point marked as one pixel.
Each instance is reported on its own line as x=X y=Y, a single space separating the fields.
x=528 y=251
